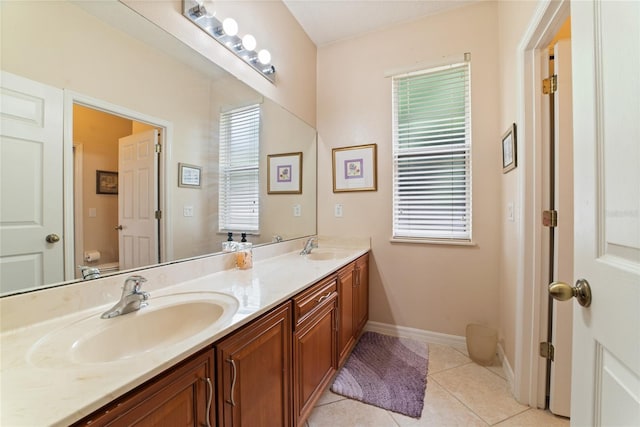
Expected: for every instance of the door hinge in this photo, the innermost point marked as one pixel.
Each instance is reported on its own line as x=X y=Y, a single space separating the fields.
x=550 y=218
x=550 y=85
x=158 y=214
x=158 y=148
x=546 y=350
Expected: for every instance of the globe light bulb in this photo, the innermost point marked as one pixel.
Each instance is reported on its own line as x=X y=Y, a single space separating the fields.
x=210 y=10
x=230 y=26
x=264 y=56
x=249 y=42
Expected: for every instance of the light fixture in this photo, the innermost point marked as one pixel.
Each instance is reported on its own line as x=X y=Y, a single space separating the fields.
x=249 y=42
x=264 y=56
x=202 y=13
x=230 y=27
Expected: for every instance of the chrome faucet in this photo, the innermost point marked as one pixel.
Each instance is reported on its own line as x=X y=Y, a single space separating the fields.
x=309 y=246
x=89 y=272
x=132 y=298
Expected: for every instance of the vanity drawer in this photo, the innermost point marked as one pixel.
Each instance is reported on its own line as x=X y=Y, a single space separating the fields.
x=306 y=302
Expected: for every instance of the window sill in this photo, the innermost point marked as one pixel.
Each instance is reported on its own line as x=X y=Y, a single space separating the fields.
x=421 y=241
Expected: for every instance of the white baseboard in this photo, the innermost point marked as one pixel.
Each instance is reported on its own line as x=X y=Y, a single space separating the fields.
x=455 y=341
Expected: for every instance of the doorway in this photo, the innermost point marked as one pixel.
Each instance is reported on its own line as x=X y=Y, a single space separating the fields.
x=93 y=131
x=535 y=269
x=557 y=222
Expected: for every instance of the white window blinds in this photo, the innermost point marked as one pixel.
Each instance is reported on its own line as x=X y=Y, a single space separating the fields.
x=238 y=206
x=432 y=154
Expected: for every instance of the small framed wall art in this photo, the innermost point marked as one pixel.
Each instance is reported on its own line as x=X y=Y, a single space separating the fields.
x=106 y=182
x=355 y=168
x=509 y=154
x=189 y=176
x=284 y=173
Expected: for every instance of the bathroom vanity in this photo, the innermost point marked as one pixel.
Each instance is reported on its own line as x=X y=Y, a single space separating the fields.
x=296 y=320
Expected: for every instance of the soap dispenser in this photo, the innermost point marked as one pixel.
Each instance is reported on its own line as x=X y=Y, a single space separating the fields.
x=229 y=245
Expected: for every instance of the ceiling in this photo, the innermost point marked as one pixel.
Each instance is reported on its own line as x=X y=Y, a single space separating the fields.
x=327 y=21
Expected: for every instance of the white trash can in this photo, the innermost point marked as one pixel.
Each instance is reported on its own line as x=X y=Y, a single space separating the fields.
x=482 y=342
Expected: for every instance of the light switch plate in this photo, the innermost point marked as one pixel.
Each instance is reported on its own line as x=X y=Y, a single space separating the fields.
x=187 y=211
x=510 y=215
x=338 y=210
x=297 y=210
x=92 y=212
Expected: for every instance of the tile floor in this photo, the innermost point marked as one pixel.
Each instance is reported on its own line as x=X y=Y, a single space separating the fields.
x=459 y=393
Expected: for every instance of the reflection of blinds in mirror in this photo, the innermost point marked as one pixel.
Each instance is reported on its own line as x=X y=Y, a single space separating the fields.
x=239 y=206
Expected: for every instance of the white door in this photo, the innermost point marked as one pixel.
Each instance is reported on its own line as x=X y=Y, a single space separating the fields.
x=560 y=385
x=31 y=209
x=606 y=93
x=138 y=199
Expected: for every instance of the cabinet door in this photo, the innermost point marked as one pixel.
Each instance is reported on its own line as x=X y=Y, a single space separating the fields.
x=361 y=294
x=346 y=339
x=182 y=396
x=254 y=373
x=314 y=356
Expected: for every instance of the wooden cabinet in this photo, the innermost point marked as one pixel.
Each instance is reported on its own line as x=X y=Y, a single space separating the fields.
x=270 y=372
x=314 y=345
x=254 y=372
x=346 y=339
x=353 y=304
x=181 y=396
x=361 y=294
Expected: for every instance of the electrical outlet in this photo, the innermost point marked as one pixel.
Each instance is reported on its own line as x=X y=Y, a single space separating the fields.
x=187 y=211
x=297 y=210
x=338 y=210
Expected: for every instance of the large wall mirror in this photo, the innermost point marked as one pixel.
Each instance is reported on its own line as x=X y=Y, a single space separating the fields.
x=124 y=92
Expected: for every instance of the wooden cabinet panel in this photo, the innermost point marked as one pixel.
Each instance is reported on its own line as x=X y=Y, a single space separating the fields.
x=315 y=356
x=254 y=372
x=361 y=294
x=346 y=339
x=182 y=396
x=353 y=305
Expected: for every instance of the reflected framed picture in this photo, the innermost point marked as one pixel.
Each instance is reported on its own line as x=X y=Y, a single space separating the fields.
x=189 y=176
x=355 y=168
x=106 y=182
x=509 y=154
x=284 y=173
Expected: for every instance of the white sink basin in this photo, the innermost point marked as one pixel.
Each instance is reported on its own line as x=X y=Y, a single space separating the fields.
x=326 y=254
x=167 y=321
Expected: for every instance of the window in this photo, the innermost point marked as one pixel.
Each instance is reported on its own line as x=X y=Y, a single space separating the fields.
x=238 y=197
x=432 y=154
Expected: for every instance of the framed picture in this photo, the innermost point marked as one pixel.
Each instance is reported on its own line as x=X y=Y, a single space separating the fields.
x=355 y=168
x=509 y=154
x=189 y=176
x=106 y=182
x=284 y=172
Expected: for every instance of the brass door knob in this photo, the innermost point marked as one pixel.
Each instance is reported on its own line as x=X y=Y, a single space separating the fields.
x=563 y=292
x=52 y=238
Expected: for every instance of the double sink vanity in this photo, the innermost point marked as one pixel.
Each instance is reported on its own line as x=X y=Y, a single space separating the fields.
x=215 y=345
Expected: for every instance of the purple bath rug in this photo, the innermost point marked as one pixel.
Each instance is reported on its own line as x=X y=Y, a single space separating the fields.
x=388 y=372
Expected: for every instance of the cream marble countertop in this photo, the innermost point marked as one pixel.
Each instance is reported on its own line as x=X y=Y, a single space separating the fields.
x=34 y=394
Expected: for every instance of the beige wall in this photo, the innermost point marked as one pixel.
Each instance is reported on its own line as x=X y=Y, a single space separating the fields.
x=431 y=287
x=514 y=19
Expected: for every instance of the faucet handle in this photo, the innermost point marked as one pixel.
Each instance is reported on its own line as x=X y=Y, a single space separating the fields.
x=133 y=283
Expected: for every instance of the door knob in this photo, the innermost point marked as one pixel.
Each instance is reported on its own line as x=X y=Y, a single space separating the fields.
x=52 y=238
x=563 y=292
x=119 y=227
